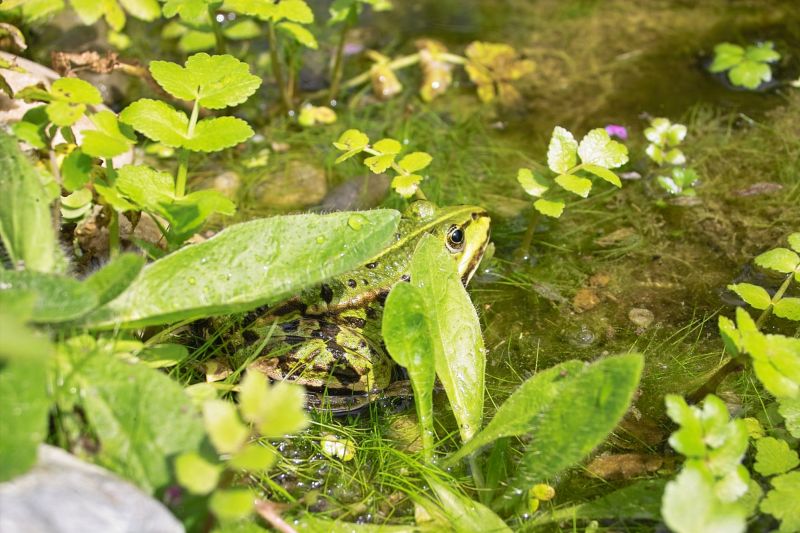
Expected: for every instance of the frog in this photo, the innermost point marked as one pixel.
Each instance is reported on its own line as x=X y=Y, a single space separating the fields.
x=328 y=338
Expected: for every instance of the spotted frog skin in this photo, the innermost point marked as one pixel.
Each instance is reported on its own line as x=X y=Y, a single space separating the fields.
x=329 y=337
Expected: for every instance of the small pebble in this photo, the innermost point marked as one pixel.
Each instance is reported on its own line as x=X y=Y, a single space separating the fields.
x=641 y=317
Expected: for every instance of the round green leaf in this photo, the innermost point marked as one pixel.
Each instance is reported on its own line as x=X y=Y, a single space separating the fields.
x=195 y=474
x=549 y=207
x=63 y=113
x=794 y=242
x=415 y=161
x=226 y=431
x=299 y=33
x=110 y=139
x=726 y=56
x=773 y=456
x=531 y=182
x=379 y=163
x=75 y=91
x=388 y=146
x=597 y=148
x=76 y=169
x=254 y=458
x=214 y=134
x=604 y=174
x=232 y=504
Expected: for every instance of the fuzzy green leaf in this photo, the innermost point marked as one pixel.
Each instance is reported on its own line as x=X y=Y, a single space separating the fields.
x=575 y=184
x=186 y=284
x=408 y=340
x=195 y=474
x=25 y=400
x=58 y=298
x=781 y=501
x=589 y=406
x=597 y=148
x=299 y=33
x=140 y=415
x=549 y=208
x=754 y=295
x=603 y=173
x=217 y=81
x=110 y=139
x=415 y=161
x=453 y=326
x=532 y=183
x=774 y=456
x=780 y=259
x=145 y=186
x=787 y=308
x=562 y=151
x=519 y=413
x=157 y=121
x=226 y=431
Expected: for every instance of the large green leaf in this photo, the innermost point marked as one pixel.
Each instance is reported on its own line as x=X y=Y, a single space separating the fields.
x=25 y=402
x=587 y=410
x=451 y=323
x=25 y=226
x=465 y=514
x=141 y=417
x=408 y=340
x=115 y=276
x=217 y=81
x=57 y=298
x=247 y=265
x=519 y=413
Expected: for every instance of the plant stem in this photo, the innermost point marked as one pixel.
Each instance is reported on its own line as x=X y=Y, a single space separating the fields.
x=113 y=225
x=270 y=513
x=477 y=474
x=527 y=239
x=400 y=63
x=738 y=363
x=183 y=157
x=277 y=69
x=219 y=37
x=338 y=62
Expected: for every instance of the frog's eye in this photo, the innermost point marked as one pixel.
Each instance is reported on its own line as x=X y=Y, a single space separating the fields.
x=455 y=239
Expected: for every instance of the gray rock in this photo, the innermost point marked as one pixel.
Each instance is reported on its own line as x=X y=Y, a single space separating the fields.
x=363 y=192
x=63 y=494
x=299 y=184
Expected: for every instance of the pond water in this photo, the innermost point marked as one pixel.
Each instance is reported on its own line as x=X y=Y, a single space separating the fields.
x=628 y=270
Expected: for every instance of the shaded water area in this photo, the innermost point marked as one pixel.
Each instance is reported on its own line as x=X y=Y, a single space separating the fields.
x=628 y=270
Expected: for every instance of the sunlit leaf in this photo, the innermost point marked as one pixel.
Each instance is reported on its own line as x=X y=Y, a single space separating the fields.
x=196 y=474
x=232 y=504
x=406 y=185
x=531 y=182
x=689 y=506
x=299 y=33
x=214 y=134
x=415 y=161
x=199 y=280
x=726 y=56
x=379 y=163
x=254 y=458
x=58 y=298
x=603 y=173
x=597 y=148
x=562 y=153
x=110 y=139
x=781 y=501
x=226 y=431
x=76 y=169
x=575 y=184
x=780 y=259
x=787 y=308
x=754 y=295
x=466 y=515
x=549 y=208
x=773 y=456
x=158 y=121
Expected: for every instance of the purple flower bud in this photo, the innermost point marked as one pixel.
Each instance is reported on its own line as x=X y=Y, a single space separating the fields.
x=615 y=130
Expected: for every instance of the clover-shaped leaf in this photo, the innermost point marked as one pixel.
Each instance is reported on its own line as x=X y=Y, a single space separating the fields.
x=781 y=501
x=406 y=184
x=726 y=56
x=351 y=142
x=110 y=139
x=773 y=456
x=597 y=148
x=562 y=153
x=214 y=81
x=746 y=68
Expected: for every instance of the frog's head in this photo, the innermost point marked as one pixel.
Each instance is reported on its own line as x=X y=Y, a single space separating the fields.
x=463 y=229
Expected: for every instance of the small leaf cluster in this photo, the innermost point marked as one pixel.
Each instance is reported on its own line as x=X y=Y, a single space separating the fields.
x=264 y=411
x=199 y=36
x=290 y=17
x=708 y=493
x=598 y=154
x=746 y=67
x=785 y=261
x=680 y=182
x=383 y=155
x=664 y=137
x=493 y=67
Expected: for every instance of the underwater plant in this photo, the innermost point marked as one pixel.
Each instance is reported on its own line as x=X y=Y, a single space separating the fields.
x=664 y=137
x=746 y=67
x=680 y=182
